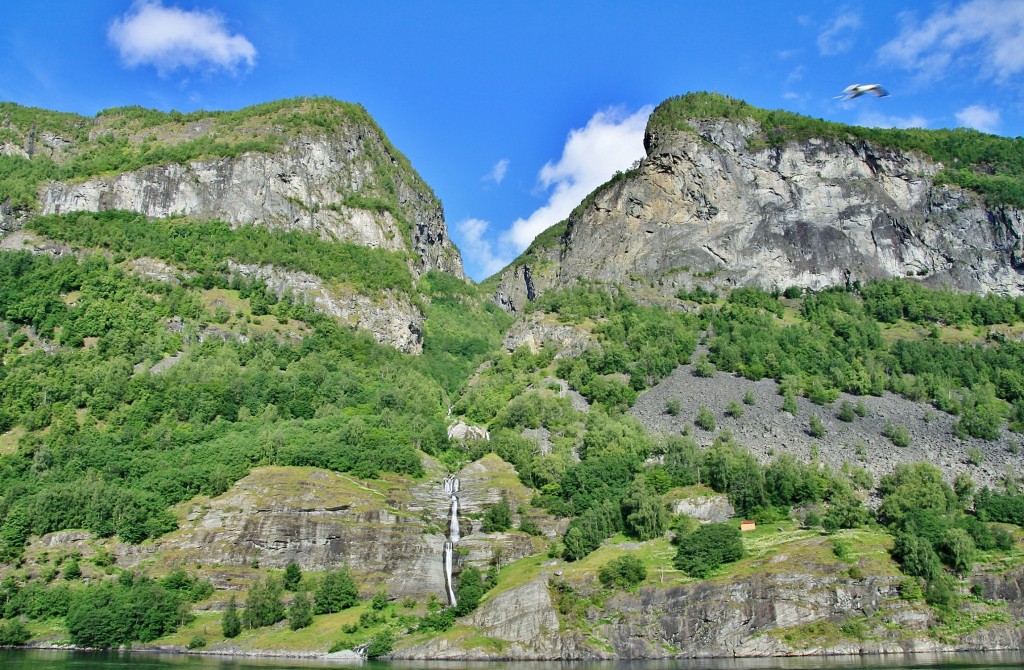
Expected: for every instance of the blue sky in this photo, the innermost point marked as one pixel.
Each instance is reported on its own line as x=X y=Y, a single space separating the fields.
x=513 y=111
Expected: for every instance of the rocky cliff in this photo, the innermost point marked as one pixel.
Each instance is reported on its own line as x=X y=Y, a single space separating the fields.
x=316 y=165
x=713 y=204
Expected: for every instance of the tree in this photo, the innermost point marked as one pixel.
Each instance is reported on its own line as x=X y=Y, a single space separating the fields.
x=624 y=572
x=300 y=614
x=336 y=591
x=470 y=591
x=263 y=606
x=707 y=548
x=292 y=576
x=498 y=517
x=230 y=624
x=644 y=514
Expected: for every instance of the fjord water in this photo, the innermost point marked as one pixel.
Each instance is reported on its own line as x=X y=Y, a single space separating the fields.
x=69 y=660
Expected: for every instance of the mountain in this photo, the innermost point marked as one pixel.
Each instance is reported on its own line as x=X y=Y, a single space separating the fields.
x=243 y=380
x=731 y=195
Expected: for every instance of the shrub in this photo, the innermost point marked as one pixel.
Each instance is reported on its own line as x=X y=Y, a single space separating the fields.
x=197 y=642
x=707 y=548
x=381 y=645
x=749 y=398
x=846 y=412
x=13 y=633
x=498 y=517
x=789 y=404
x=705 y=419
x=623 y=572
x=734 y=409
x=899 y=435
x=673 y=406
x=816 y=427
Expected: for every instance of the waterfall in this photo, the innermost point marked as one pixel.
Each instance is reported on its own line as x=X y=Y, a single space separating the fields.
x=451 y=490
x=448 y=573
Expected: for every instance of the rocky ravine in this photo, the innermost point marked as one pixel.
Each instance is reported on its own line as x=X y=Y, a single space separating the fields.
x=703 y=208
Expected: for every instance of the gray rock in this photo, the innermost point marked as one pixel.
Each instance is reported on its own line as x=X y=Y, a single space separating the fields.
x=704 y=208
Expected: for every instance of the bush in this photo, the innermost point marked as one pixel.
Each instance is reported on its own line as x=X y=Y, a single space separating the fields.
x=899 y=435
x=735 y=409
x=846 y=413
x=707 y=548
x=13 y=633
x=816 y=427
x=197 y=642
x=673 y=406
x=705 y=419
x=749 y=398
x=623 y=572
x=381 y=645
x=335 y=592
x=498 y=517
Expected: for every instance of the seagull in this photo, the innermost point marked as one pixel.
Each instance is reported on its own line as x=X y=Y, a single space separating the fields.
x=856 y=90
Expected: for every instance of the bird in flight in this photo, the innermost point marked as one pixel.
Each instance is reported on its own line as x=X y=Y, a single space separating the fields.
x=856 y=90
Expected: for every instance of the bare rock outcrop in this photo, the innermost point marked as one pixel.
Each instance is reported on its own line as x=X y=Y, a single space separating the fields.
x=391 y=319
x=710 y=207
x=301 y=187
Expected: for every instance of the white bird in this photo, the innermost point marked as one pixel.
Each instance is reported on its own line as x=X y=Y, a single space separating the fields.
x=856 y=90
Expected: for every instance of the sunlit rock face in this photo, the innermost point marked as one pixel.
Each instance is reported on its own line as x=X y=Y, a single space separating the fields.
x=711 y=208
x=301 y=187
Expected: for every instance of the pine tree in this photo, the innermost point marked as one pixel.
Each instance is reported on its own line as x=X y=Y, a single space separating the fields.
x=300 y=614
x=230 y=624
x=292 y=576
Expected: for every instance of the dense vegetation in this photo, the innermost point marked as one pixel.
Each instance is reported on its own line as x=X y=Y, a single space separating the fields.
x=988 y=164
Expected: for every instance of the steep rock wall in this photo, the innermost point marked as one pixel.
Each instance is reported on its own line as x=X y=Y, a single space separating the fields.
x=704 y=207
x=303 y=186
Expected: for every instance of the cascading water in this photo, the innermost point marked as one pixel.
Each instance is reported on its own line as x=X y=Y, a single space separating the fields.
x=451 y=490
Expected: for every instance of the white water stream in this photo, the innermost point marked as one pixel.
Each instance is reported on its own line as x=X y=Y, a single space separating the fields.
x=451 y=490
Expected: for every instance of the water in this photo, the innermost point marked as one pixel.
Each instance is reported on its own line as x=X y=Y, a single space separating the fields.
x=451 y=489
x=68 y=660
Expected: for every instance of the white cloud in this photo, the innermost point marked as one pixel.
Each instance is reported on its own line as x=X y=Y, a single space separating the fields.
x=876 y=120
x=476 y=251
x=980 y=118
x=170 y=38
x=497 y=173
x=986 y=36
x=612 y=140
x=837 y=36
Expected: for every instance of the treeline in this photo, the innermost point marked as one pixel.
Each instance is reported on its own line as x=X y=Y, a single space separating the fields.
x=988 y=164
x=205 y=248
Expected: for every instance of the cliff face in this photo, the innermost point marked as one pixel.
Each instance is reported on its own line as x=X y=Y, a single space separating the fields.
x=709 y=207
x=302 y=187
x=317 y=165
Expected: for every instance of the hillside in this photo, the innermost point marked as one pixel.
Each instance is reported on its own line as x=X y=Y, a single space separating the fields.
x=249 y=403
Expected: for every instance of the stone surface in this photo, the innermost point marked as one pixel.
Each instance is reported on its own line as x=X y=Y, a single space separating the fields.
x=705 y=209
